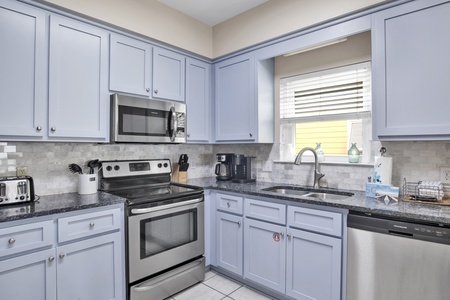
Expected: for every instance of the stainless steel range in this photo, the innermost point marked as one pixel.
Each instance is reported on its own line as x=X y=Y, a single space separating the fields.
x=165 y=227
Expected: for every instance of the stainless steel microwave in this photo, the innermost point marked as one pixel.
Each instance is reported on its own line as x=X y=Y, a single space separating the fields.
x=141 y=120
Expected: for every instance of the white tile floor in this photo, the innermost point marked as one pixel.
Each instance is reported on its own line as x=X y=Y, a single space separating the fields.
x=217 y=287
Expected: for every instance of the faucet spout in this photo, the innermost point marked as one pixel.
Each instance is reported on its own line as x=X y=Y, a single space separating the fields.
x=317 y=174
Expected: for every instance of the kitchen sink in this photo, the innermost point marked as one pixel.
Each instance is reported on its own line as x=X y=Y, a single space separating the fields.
x=308 y=192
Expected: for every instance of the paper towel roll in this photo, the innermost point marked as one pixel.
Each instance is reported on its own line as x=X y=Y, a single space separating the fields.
x=382 y=170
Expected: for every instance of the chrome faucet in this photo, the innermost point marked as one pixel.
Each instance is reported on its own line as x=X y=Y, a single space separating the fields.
x=317 y=174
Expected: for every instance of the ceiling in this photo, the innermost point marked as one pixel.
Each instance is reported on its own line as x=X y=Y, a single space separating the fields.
x=212 y=12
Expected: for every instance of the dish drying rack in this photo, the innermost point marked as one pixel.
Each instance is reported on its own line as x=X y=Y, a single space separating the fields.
x=431 y=191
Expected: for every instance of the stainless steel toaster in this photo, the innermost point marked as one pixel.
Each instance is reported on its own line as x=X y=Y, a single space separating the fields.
x=16 y=189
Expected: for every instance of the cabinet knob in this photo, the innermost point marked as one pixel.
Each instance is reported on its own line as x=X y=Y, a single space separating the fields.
x=281 y=234
x=250 y=134
x=91 y=225
x=11 y=241
x=288 y=236
x=147 y=90
x=51 y=259
x=156 y=91
x=39 y=128
x=228 y=204
x=62 y=255
x=188 y=135
x=53 y=129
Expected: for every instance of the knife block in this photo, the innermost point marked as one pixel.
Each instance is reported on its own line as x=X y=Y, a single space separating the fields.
x=179 y=176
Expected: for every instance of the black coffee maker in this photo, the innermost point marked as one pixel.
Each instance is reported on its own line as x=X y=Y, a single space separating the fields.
x=242 y=169
x=223 y=168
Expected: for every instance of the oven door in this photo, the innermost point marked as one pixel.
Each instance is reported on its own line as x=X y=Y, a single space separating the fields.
x=164 y=236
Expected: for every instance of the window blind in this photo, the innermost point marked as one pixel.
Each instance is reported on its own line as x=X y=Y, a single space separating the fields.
x=334 y=94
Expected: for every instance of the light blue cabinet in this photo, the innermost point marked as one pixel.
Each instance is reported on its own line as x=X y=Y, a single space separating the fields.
x=130 y=66
x=198 y=101
x=91 y=269
x=31 y=276
x=313 y=266
x=78 y=86
x=411 y=66
x=265 y=254
x=74 y=256
x=169 y=70
x=229 y=241
x=235 y=99
x=23 y=59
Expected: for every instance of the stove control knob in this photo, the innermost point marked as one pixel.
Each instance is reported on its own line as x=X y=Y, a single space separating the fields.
x=160 y=165
x=165 y=165
x=108 y=168
x=116 y=167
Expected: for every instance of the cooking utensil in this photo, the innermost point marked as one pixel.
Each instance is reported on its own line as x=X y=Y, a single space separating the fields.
x=75 y=169
x=92 y=164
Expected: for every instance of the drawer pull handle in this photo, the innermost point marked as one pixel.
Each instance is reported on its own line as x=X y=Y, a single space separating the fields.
x=62 y=255
x=91 y=225
x=51 y=259
x=11 y=241
x=228 y=204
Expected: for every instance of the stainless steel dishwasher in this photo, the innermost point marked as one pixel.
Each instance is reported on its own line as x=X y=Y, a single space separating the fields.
x=395 y=260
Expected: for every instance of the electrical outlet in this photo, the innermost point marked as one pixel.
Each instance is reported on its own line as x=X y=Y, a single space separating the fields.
x=444 y=175
x=22 y=171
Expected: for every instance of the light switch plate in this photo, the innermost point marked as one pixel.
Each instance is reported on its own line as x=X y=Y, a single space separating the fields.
x=444 y=175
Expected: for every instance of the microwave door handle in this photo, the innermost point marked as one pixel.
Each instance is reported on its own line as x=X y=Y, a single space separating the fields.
x=173 y=124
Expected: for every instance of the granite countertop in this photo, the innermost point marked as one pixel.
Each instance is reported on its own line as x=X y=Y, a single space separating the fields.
x=358 y=202
x=55 y=204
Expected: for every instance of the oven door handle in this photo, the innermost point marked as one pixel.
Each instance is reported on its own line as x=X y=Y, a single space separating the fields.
x=139 y=211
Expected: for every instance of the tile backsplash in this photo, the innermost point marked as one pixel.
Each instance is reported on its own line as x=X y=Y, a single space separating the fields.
x=47 y=162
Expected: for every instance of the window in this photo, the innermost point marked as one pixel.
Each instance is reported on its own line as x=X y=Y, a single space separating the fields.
x=331 y=107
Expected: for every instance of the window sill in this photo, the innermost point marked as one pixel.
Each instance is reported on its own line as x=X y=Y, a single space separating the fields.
x=334 y=163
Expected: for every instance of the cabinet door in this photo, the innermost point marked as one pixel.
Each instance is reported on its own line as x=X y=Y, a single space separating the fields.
x=313 y=266
x=130 y=65
x=235 y=101
x=91 y=269
x=229 y=241
x=265 y=254
x=411 y=63
x=23 y=56
x=168 y=75
x=31 y=276
x=198 y=100
x=78 y=90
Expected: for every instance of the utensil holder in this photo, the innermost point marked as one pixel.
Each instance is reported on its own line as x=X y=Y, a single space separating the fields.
x=87 y=184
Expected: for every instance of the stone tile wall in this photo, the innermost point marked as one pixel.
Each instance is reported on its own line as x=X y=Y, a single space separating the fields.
x=47 y=162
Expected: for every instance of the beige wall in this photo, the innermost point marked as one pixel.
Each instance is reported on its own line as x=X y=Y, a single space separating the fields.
x=149 y=18
x=265 y=22
x=276 y=18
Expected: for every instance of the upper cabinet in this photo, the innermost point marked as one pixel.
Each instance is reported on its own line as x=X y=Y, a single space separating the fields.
x=198 y=101
x=411 y=67
x=130 y=66
x=78 y=87
x=168 y=75
x=244 y=100
x=23 y=58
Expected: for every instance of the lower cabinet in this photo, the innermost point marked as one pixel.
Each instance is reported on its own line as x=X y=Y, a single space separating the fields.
x=88 y=267
x=294 y=251
x=313 y=266
x=265 y=254
x=229 y=242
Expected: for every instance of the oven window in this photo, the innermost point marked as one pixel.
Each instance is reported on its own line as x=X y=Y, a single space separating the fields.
x=169 y=231
x=140 y=121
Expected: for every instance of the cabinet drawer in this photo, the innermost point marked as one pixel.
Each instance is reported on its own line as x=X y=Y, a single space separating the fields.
x=25 y=237
x=265 y=211
x=89 y=224
x=315 y=220
x=230 y=204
